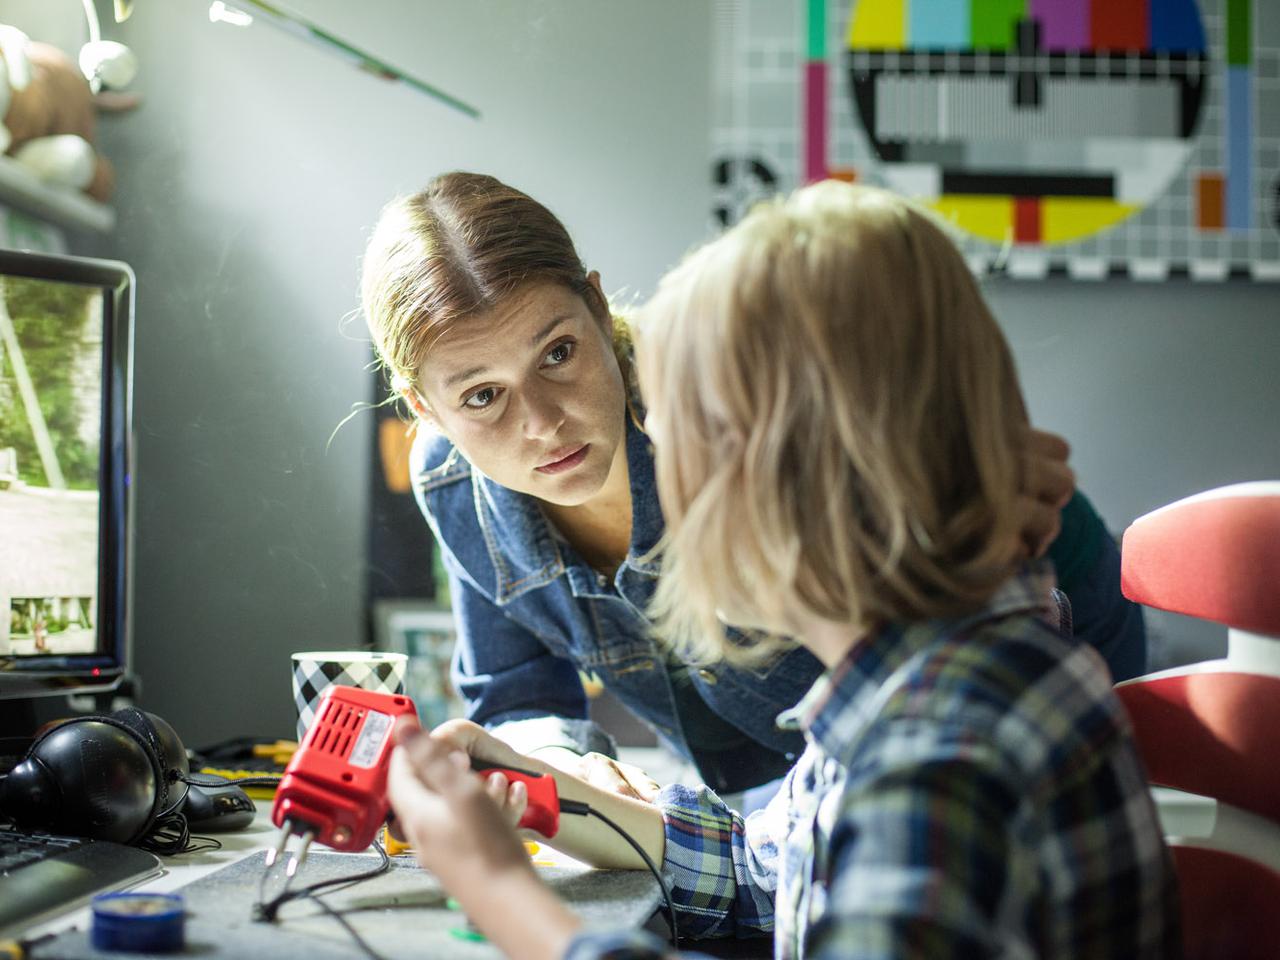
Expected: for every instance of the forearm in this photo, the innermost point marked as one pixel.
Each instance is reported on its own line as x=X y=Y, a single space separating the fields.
x=542 y=927
x=593 y=841
x=464 y=837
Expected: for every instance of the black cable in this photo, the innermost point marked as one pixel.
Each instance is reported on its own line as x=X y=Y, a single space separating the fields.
x=267 y=911
x=586 y=810
x=383 y=866
x=264 y=781
x=169 y=836
x=206 y=843
x=346 y=925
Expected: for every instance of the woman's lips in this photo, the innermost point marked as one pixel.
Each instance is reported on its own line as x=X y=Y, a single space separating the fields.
x=565 y=463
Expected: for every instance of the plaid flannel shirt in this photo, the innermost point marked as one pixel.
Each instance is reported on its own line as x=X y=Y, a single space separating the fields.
x=969 y=789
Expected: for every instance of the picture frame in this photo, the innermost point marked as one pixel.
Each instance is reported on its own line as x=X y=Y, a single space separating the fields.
x=425 y=632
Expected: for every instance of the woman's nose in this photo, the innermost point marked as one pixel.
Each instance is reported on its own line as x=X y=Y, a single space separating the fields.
x=543 y=415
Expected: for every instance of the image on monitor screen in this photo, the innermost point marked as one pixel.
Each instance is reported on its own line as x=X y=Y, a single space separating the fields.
x=51 y=379
x=66 y=477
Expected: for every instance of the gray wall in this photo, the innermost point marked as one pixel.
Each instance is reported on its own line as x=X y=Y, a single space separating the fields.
x=248 y=183
x=1163 y=390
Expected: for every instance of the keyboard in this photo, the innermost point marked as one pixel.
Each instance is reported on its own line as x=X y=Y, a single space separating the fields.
x=41 y=875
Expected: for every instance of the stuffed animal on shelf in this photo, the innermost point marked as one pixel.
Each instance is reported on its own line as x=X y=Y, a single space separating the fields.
x=48 y=109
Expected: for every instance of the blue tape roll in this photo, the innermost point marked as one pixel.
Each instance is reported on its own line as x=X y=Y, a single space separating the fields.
x=138 y=922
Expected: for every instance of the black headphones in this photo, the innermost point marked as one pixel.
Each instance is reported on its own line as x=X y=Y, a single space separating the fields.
x=116 y=777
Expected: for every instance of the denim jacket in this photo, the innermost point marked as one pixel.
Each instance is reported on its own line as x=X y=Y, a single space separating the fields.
x=531 y=613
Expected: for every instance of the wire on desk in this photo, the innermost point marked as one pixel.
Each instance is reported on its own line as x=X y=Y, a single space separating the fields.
x=267 y=911
x=586 y=810
x=361 y=942
x=171 y=834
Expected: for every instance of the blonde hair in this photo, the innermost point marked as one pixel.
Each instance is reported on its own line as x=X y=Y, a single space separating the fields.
x=839 y=424
x=456 y=248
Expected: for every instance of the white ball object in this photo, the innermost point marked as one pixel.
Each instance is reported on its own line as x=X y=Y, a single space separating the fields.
x=63 y=159
x=111 y=62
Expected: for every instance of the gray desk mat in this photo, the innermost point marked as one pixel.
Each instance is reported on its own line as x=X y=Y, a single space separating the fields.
x=401 y=913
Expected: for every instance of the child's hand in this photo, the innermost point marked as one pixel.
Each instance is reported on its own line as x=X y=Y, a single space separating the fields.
x=1050 y=482
x=624 y=779
x=461 y=830
x=474 y=740
x=460 y=825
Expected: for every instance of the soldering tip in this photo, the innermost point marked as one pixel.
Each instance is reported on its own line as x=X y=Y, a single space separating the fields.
x=282 y=839
x=299 y=855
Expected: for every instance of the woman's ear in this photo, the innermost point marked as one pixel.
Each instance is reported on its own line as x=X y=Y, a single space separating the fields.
x=606 y=315
x=418 y=404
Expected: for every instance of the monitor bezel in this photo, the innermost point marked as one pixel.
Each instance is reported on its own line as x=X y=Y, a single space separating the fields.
x=105 y=668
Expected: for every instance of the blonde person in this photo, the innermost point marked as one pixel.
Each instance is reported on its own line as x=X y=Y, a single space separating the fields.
x=534 y=471
x=838 y=458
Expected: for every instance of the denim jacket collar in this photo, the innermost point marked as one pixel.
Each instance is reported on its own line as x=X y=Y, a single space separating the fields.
x=647 y=521
x=518 y=538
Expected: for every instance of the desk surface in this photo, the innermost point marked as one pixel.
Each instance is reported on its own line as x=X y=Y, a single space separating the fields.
x=402 y=913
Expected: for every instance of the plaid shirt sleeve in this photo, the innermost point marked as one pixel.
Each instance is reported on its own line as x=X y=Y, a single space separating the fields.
x=722 y=870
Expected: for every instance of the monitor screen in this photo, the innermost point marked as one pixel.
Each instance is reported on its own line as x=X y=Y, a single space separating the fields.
x=65 y=473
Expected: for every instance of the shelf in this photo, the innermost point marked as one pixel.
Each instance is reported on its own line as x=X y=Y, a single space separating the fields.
x=20 y=189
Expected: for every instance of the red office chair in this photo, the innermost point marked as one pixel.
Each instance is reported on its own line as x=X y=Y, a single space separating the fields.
x=1213 y=729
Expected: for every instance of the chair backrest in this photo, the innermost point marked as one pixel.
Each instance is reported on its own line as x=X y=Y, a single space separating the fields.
x=1213 y=733
x=1215 y=556
x=1213 y=728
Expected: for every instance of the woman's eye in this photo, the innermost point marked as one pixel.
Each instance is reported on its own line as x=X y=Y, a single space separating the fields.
x=560 y=353
x=480 y=399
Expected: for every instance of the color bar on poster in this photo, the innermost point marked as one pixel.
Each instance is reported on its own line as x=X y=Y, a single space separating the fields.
x=939 y=25
x=1063 y=219
x=1017 y=183
x=1026 y=220
x=990 y=218
x=1176 y=27
x=1120 y=25
x=1210 y=201
x=1239 y=148
x=817 y=32
x=815 y=121
x=1064 y=24
x=994 y=23
x=878 y=25
x=1239 y=32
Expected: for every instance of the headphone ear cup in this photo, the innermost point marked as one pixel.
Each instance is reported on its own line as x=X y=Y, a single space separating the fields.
x=170 y=754
x=91 y=778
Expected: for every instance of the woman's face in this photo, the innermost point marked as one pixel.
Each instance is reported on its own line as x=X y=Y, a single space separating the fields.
x=531 y=394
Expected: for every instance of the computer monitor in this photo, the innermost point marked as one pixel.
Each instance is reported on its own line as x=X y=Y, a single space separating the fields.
x=66 y=451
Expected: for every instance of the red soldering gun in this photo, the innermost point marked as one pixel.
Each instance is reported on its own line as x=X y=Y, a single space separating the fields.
x=334 y=790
